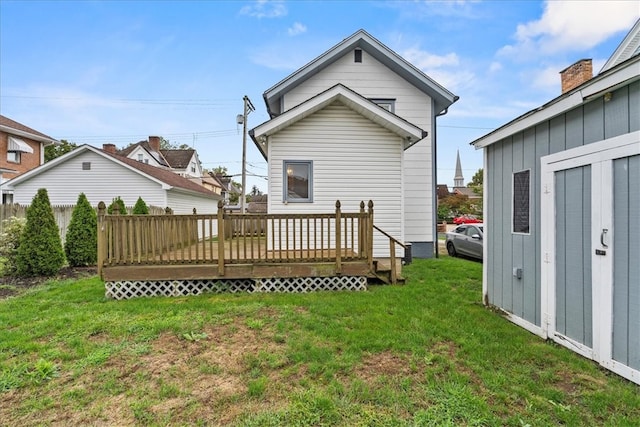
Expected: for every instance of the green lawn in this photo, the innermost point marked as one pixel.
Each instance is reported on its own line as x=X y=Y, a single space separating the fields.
x=427 y=353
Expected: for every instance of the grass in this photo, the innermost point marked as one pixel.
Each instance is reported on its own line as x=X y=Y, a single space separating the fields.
x=427 y=353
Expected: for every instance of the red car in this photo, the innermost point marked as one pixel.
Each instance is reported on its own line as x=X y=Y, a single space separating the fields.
x=465 y=219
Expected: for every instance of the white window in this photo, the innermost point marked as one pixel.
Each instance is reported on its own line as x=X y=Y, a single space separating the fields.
x=521 y=201
x=13 y=156
x=140 y=157
x=298 y=181
x=193 y=167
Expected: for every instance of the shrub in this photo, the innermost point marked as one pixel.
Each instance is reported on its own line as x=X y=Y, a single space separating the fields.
x=81 y=244
x=40 y=250
x=9 y=240
x=140 y=208
x=121 y=207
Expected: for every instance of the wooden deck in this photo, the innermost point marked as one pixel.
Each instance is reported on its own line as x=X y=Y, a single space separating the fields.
x=239 y=246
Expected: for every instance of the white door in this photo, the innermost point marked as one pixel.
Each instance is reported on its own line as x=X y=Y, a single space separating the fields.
x=591 y=270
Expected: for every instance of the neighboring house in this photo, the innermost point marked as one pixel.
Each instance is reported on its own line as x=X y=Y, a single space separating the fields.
x=103 y=175
x=356 y=124
x=562 y=202
x=183 y=162
x=21 y=149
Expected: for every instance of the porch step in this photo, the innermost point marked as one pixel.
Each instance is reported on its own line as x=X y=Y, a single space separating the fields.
x=383 y=273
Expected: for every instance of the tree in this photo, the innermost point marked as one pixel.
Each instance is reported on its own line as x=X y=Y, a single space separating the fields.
x=255 y=191
x=122 y=210
x=476 y=182
x=12 y=229
x=166 y=145
x=454 y=205
x=52 y=151
x=81 y=243
x=223 y=174
x=40 y=250
x=140 y=208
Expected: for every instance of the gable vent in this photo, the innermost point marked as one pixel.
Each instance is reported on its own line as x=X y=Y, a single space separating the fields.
x=357 y=55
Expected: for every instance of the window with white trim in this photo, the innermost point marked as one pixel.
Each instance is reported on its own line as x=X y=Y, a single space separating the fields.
x=521 y=201
x=13 y=156
x=297 y=181
x=388 y=104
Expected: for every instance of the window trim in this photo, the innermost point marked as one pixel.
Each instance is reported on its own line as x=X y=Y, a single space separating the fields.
x=513 y=202
x=17 y=155
x=386 y=101
x=285 y=181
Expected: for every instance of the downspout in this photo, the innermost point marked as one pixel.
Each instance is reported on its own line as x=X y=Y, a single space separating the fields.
x=434 y=188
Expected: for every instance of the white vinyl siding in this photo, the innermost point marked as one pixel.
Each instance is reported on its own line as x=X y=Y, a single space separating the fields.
x=183 y=203
x=103 y=182
x=373 y=80
x=353 y=159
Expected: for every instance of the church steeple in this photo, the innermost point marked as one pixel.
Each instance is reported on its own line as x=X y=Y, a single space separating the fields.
x=458 y=179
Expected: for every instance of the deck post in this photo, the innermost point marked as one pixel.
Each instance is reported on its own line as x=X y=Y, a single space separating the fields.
x=338 y=238
x=221 y=237
x=370 y=233
x=362 y=227
x=392 y=256
x=102 y=209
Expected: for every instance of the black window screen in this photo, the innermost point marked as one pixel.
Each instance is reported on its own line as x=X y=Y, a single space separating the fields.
x=521 y=199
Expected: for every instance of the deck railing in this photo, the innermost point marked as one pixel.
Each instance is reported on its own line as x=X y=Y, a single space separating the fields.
x=228 y=238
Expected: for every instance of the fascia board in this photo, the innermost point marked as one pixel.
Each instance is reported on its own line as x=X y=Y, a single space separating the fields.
x=46 y=166
x=13 y=131
x=379 y=51
x=362 y=106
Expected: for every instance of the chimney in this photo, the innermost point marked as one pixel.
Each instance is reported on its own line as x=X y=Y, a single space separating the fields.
x=576 y=74
x=109 y=148
x=154 y=143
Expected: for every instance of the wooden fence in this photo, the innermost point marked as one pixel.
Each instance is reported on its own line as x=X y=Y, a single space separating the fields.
x=61 y=213
x=234 y=238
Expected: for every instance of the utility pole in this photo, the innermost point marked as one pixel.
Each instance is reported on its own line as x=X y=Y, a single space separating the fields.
x=248 y=107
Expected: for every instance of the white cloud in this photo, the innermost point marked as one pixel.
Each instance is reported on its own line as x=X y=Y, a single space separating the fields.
x=265 y=9
x=495 y=66
x=444 y=69
x=296 y=29
x=573 y=26
x=425 y=60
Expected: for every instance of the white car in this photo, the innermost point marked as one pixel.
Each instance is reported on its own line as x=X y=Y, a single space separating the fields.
x=466 y=239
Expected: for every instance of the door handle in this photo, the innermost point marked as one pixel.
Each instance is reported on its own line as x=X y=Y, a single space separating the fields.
x=602 y=237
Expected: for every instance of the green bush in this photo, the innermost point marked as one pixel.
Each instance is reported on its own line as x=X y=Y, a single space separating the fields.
x=122 y=210
x=81 y=244
x=9 y=241
x=140 y=208
x=40 y=250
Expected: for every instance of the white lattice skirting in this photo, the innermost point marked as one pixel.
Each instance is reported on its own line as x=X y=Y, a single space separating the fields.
x=141 y=288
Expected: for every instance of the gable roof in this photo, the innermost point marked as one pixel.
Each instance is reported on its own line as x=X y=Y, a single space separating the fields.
x=158 y=156
x=351 y=99
x=11 y=126
x=162 y=176
x=361 y=39
x=178 y=159
x=630 y=46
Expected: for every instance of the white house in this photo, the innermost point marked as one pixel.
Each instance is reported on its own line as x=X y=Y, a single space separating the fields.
x=184 y=162
x=102 y=176
x=356 y=124
x=562 y=202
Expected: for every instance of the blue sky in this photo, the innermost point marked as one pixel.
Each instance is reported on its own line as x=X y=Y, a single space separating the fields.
x=118 y=71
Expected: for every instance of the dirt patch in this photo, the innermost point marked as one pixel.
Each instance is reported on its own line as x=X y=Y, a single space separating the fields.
x=15 y=285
